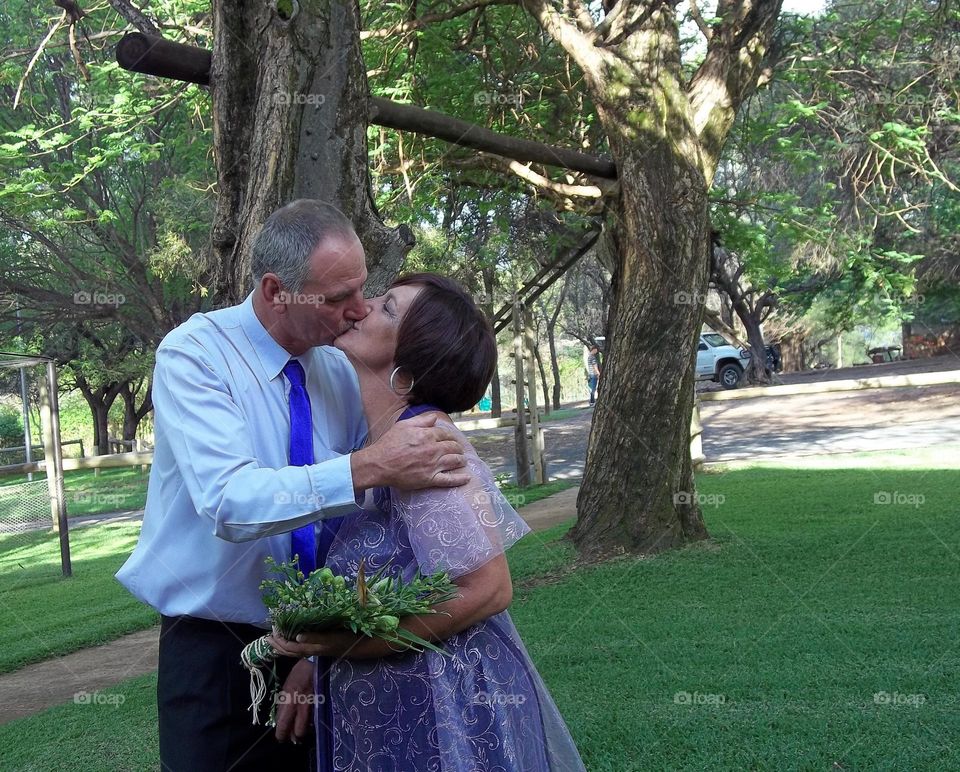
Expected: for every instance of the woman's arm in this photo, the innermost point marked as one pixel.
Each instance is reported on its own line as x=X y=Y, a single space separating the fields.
x=483 y=593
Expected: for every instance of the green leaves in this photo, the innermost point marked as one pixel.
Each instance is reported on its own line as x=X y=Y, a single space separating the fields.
x=374 y=607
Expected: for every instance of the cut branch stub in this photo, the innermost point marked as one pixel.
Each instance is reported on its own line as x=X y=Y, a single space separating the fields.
x=164 y=58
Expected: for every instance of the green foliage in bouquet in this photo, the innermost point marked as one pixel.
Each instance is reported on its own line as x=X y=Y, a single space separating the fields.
x=372 y=607
x=324 y=601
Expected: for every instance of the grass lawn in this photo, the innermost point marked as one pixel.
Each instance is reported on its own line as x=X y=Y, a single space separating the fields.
x=89 y=494
x=816 y=629
x=42 y=614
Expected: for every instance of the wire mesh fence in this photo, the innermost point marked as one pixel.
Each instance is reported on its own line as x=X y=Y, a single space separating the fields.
x=25 y=507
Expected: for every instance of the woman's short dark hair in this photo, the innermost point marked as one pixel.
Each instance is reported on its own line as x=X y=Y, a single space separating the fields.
x=446 y=344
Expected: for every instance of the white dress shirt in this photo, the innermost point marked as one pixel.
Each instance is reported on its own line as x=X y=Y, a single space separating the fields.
x=222 y=496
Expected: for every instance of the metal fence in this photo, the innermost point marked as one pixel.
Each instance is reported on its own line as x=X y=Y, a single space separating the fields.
x=25 y=507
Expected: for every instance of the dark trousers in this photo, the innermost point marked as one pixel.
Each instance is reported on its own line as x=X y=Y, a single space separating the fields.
x=203 y=696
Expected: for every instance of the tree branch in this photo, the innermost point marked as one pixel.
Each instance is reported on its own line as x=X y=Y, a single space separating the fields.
x=729 y=72
x=135 y=16
x=580 y=45
x=699 y=20
x=431 y=18
x=164 y=58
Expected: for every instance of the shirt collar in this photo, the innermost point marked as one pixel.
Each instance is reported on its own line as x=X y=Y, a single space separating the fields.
x=272 y=355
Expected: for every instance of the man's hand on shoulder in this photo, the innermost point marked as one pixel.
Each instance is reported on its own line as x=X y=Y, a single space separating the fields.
x=413 y=454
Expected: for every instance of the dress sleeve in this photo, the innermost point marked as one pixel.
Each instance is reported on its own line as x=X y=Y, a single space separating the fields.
x=457 y=530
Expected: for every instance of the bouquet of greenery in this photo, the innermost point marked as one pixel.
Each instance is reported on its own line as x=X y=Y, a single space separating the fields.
x=323 y=601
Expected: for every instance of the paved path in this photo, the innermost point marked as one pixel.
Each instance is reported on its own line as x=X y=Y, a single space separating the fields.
x=74 y=676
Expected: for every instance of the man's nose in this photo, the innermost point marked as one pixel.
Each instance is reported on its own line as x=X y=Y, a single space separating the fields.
x=359 y=310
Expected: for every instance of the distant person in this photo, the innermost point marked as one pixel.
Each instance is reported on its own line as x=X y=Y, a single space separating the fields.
x=593 y=371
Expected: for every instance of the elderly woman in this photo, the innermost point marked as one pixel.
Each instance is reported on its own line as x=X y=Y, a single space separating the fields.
x=425 y=347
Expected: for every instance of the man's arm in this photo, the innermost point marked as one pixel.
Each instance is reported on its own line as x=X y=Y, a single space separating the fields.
x=210 y=439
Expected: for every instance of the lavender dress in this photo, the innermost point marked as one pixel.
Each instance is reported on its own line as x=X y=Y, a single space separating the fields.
x=484 y=708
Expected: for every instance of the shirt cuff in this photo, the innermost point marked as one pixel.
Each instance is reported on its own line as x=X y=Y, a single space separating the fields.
x=332 y=484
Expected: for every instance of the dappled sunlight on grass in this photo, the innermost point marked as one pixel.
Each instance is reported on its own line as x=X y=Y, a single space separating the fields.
x=42 y=613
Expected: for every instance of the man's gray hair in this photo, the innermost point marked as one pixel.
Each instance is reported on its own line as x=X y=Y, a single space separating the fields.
x=290 y=235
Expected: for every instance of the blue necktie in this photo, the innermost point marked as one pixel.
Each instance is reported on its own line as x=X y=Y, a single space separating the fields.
x=303 y=540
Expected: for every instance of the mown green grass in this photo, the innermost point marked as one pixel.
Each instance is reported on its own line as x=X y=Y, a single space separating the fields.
x=43 y=614
x=762 y=648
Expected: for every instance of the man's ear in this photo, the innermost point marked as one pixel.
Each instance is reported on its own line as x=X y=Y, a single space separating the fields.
x=272 y=291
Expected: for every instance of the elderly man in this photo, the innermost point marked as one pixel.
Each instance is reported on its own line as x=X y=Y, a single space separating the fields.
x=258 y=432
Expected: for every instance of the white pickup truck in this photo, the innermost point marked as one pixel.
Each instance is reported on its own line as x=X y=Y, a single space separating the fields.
x=718 y=361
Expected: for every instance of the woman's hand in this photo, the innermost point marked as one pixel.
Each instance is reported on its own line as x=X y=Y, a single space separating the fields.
x=483 y=593
x=328 y=644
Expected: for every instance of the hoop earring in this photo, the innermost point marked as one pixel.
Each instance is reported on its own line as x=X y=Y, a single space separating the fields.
x=393 y=387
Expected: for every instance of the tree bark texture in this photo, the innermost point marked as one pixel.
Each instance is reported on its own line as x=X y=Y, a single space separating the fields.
x=290 y=112
x=665 y=136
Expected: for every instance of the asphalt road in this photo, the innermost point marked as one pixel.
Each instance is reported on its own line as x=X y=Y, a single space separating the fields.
x=800 y=425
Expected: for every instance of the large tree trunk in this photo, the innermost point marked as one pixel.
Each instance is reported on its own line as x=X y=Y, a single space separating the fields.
x=290 y=111
x=639 y=447
x=665 y=134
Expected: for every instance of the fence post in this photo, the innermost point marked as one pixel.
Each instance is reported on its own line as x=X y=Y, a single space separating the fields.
x=536 y=433
x=53 y=457
x=520 y=431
